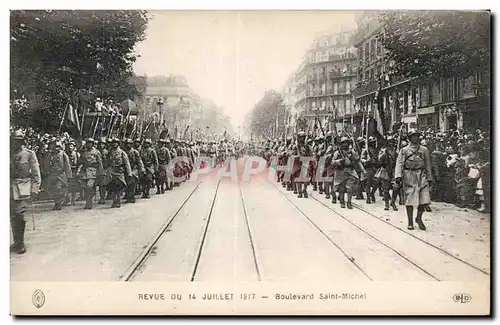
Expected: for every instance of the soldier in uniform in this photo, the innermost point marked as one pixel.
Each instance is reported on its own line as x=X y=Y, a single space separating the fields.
x=138 y=188
x=387 y=160
x=104 y=179
x=120 y=171
x=74 y=185
x=369 y=159
x=346 y=163
x=302 y=150
x=438 y=163
x=173 y=154
x=137 y=169
x=150 y=161
x=414 y=172
x=58 y=173
x=327 y=151
x=163 y=160
x=90 y=168
x=360 y=142
x=25 y=181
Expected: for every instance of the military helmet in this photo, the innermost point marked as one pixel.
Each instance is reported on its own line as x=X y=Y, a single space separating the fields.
x=109 y=140
x=148 y=141
x=344 y=139
x=414 y=131
x=90 y=140
x=129 y=141
x=301 y=134
x=371 y=139
x=390 y=139
x=137 y=140
x=116 y=140
x=167 y=141
x=329 y=134
x=360 y=139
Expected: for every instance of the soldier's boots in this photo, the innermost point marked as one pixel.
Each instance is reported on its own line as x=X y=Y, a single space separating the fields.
x=321 y=191
x=57 y=206
x=349 y=201
x=342 y=200
x=305 y=193
x=116 y=200
x=315 y=186
x=334 y=197
x=158 y=190
x=393 y=200
x=18 y=228
x=428 y=208
x=386 y=207
x=418 y=219
x=88 y=200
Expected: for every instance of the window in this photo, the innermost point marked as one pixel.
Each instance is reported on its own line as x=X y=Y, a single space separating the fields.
x=436 y=92
x=405 y=102
x=342 y=87
x=424 y=95
x=348 y=87
x=348 y=105
x=323 y=104
x=367 y=52
x=413 y=100
x=323 y=88
x=335 y=88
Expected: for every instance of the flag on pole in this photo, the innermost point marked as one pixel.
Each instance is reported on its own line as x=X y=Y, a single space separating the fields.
x=72 y=116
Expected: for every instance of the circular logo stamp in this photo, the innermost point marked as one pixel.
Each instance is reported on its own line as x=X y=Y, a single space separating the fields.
x=38 y=298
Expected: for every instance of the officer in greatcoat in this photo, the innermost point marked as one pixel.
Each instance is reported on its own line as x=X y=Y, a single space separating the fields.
x=414 y=172
x=120 y=171
x=25 y=181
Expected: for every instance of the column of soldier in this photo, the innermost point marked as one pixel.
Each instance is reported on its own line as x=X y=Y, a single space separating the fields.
x=409 y=169
x=113 y=167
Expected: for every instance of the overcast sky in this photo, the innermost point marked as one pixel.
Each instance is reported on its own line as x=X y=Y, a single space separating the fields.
x=232 y=57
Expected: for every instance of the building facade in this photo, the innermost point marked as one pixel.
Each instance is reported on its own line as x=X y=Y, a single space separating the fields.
x=434 y=102
x=324 y=81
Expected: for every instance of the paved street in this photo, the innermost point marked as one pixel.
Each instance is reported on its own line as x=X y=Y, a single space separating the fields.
x=251 y=231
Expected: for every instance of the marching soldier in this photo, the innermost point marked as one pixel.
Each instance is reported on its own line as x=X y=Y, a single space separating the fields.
x=173 y=154
x=137 y=169
x=346 y=163
x=387 y=159
x=91 y=168
x=150 y=161
x=120 y=171
x=138 y=188
x=327 y=151
x=58 y=173
x=25 y=183
x=369 y=159
x=163 y=160
x=74 y=185
x=104 y=179
x=303 y=150
x=360 y=142
x=414 y=172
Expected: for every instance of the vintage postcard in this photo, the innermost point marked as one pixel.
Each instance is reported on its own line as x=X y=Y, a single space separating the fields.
x=169 y=162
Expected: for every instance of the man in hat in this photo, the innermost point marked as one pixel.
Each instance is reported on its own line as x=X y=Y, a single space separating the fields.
x=414 y=172
x=369 y=159
x=346 y=163
x=24 y=185
x=90 y=167
x=120 y=171
x=150 y=160
x=58 y=173
x=164 y=158
x=137 y=168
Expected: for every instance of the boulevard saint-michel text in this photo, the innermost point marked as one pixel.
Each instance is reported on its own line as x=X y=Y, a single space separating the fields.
x=321 y=296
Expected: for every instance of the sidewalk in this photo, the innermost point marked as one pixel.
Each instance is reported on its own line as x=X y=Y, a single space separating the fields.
x=84 y=245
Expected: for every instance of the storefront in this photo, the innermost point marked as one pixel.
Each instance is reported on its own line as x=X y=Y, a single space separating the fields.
x=427 y=118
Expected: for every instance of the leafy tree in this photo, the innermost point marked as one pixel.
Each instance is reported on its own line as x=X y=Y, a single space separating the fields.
x=442 y=43
x=266 y=112
x=59 y=54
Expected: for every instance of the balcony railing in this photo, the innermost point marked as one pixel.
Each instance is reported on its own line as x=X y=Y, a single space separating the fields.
x=341 y=73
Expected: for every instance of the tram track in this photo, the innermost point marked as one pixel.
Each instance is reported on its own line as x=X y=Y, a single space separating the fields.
x=408 y=259
x=146 y=252
x=359 y=207
x=200 y=252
